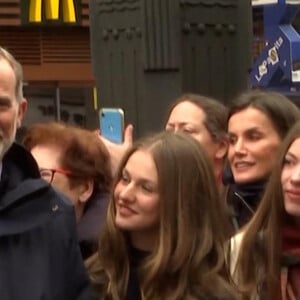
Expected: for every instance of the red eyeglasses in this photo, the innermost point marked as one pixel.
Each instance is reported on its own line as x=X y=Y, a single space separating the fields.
x=48 y=174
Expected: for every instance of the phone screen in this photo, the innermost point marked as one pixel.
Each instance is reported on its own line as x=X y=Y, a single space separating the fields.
x=112 y=124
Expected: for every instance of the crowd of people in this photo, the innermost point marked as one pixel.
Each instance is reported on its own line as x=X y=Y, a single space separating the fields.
x=207 y=209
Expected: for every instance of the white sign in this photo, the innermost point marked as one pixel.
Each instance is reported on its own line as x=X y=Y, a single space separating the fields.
x=266 y=2
x=292 y=1
x=263 y=2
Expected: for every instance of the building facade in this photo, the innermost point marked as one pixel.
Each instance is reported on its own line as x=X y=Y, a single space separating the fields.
x=51 y=40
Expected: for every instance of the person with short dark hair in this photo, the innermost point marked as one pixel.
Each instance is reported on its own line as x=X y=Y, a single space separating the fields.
x=204 y=119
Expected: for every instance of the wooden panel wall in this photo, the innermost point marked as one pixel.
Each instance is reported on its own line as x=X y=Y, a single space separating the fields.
x=10 y=12
x=47 y=53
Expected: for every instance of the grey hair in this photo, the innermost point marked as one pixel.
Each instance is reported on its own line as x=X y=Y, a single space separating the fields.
x=18 y=71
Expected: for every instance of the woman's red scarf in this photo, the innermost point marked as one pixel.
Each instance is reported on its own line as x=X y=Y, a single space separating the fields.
x=290 y=263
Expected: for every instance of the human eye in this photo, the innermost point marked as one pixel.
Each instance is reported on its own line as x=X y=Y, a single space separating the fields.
x=189 y=130
x=232 y=139
x=170 y=127
x=5 y=103
x=46 y=173
x=148 y=187
x=254 y=136
x=288 y=161
x=124 y=177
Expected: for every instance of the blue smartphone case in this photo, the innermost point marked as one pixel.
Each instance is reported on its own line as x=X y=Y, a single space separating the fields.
x=112 y=124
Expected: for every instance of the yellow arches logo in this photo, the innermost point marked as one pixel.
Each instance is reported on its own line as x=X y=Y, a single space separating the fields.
x=51 y=8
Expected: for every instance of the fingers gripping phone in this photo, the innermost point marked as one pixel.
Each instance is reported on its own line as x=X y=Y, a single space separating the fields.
x=112 y=124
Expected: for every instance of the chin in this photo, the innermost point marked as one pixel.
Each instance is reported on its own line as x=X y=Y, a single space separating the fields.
x=292 y=209
x=123 y=225
x=244 y=179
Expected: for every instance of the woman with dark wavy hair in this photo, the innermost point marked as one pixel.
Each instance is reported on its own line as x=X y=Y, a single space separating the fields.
x=257 y=123
x=166 y=227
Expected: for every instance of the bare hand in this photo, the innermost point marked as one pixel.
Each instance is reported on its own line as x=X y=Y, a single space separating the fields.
x=116 y=151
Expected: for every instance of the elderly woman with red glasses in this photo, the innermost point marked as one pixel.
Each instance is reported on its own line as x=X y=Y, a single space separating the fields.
x=77 y=164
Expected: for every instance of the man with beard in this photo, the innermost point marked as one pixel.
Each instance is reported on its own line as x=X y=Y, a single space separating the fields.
x=39 y=254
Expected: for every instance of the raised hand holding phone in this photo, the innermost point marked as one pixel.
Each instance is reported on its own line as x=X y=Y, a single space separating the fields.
x=112 y=124
x=116 y=150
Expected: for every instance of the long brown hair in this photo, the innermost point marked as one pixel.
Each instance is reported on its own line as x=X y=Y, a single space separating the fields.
x=188 y=259
x=258 y=263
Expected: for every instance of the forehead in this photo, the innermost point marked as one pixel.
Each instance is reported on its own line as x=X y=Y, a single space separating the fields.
x=46 y=156
x=141 y=163
x=7 y=78
x=187 y=112
x=295 y=147
x=248 y=118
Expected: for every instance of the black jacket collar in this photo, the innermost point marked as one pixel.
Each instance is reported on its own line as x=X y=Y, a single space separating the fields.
x=20 y=176
x=19 y=156
x=25 y=199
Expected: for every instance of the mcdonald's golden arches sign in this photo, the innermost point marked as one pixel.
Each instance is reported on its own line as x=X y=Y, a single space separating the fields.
x=41 y=11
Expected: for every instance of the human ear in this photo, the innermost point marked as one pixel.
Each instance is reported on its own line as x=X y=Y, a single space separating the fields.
x=86 y=190
x=222 y=149
x=21 y=111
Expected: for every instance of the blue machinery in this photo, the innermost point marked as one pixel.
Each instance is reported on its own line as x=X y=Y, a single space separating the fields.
x=278 y=66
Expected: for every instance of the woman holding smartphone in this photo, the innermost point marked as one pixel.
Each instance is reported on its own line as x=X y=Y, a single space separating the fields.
x=166 y=226
x=201 y=117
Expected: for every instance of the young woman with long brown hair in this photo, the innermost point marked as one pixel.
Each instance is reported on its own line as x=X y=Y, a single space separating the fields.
x=166 y=226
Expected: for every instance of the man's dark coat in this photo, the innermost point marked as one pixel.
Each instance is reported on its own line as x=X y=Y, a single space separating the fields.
x=39 y=253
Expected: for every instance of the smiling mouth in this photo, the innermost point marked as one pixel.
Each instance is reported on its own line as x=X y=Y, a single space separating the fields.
x=242 y=165
x=125 y=210
x=293 y=194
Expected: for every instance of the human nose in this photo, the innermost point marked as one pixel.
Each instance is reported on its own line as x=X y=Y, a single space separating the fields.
x=295 y=177
x=127 y=192
x=173 y=128
x=176 y=129
x=239 y=146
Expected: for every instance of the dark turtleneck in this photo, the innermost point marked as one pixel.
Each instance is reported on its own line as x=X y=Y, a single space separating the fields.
x=244 y=198
x=135 y=258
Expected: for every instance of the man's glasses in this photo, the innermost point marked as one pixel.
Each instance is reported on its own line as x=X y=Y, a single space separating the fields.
x=48 y=174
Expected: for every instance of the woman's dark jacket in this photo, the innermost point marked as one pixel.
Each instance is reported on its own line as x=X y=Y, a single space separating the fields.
x=242 y=199
x=39 y=253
